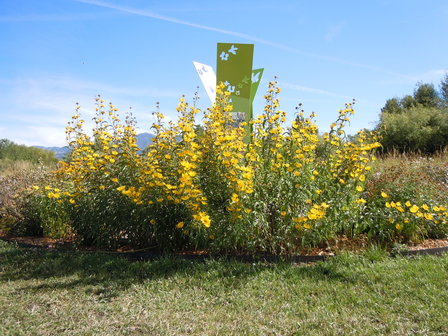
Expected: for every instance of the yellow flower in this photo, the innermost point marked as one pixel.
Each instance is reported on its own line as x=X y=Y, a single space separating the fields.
x=203 y=218
x=115 y=180
x=399 y=208
x=398 y=226
x=414 y=209
x=35 y=187
x=180 y=225
x=384 y=195
x=72 y=201
x=283 y=213
x=359 y=188
x=428 y=216
x=152 y=221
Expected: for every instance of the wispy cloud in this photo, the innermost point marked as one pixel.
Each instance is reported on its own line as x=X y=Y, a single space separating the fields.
x=53 y=17
x=334 y=31
x=224 y=7
x=40 y=107
x=313 y=90
x=434 y=75
x=150 y=14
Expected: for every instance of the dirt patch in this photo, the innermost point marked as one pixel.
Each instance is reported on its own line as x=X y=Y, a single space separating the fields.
x=429 y=243
x=331 y=248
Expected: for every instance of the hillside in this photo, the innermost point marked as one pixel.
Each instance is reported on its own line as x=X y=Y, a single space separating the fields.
x=143 y=140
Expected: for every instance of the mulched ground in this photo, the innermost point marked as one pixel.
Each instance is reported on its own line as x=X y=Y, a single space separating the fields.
x=333 y=247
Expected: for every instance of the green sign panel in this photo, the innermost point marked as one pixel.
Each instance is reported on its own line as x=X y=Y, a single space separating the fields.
x=256 y=79
x=234 y=69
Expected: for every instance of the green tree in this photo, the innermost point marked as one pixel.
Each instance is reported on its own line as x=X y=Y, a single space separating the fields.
x=392 y=105
x=14 y=152
x=417 y=122
x=426 y=95
x=408 y=102
x=444 y=89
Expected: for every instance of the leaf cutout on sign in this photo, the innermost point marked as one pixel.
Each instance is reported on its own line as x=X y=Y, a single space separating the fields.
x=233 y=49
x=255 y=77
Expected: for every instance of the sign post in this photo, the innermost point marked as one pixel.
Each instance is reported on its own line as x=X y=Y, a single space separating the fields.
x=234 y=70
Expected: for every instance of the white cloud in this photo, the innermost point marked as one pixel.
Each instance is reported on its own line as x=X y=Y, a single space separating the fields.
x=36 y=135
x=37 y=109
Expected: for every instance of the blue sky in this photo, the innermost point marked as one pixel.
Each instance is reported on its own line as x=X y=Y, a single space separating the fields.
x=54 y=53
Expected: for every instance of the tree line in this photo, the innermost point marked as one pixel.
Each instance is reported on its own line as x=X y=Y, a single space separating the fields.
x=10 y=151
x=417 y=122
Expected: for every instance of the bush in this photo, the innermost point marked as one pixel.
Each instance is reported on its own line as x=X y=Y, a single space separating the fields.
x=205 y=187
x=417 y=123
x=15 y=216
x=418 y=129
x=406 y=199
x=286 y=189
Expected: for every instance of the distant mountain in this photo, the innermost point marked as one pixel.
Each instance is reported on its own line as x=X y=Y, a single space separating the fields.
x=60 y=152
x=143 y=140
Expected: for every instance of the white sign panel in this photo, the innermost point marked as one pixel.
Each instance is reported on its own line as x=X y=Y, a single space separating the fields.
x=208 y=79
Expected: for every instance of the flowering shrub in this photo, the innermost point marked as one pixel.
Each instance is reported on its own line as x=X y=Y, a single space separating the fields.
x=207 y=187
x=407 y=199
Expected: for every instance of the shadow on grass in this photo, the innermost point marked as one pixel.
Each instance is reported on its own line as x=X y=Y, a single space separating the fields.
x=72 y=269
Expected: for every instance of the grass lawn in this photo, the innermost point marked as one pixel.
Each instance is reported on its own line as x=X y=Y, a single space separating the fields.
x=73 y=293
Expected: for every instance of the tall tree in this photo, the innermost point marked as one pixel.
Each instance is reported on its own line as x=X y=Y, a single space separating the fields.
x=426 y=95
x=392 y=105
x=444 y=89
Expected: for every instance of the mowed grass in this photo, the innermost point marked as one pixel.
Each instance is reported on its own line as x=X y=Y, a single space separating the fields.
x=73 y=293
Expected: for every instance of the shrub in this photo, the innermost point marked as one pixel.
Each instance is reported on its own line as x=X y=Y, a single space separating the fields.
x=286 y=189
x=406 y=199
x=206 y=187
x=16 y=216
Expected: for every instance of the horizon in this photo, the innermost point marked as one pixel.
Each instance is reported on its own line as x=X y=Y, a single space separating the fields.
x=136 y=53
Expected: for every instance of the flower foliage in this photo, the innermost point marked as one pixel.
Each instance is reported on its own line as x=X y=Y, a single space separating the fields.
x=206 y=186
